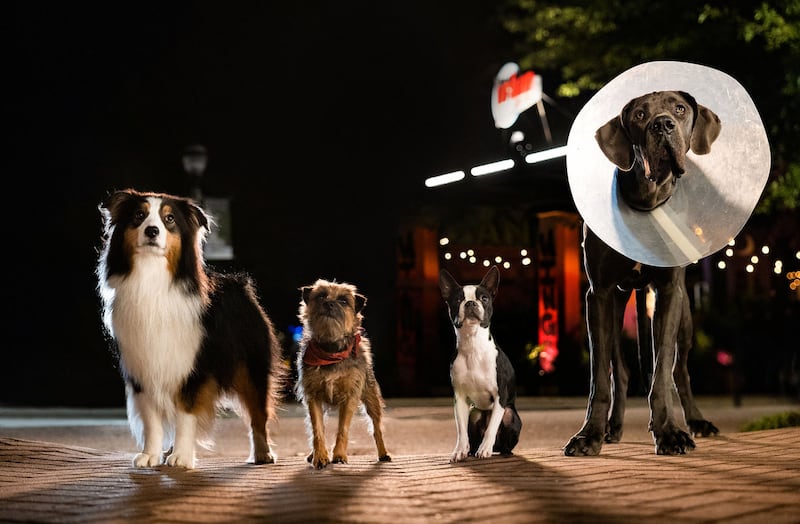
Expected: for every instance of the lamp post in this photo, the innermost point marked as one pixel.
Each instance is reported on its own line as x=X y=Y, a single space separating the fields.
x=195 y=160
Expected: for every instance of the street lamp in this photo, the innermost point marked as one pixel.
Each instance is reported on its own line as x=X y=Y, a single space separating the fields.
x=195 y=160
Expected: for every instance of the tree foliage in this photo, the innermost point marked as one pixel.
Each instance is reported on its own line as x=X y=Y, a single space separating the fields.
x=584 y=44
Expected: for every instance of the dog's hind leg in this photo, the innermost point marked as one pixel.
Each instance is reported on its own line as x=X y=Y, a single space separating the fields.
x=476 y=428
x=697 y=423
x=255 y=403
x=620 y=377
x=373 y=405
x=508 y=434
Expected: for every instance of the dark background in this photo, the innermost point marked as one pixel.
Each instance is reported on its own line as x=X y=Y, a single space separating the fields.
x=321 y=122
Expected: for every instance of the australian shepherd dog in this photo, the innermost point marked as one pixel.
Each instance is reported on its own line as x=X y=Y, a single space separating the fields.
x=189 y=340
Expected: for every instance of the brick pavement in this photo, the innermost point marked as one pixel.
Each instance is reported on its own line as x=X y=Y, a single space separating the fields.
x=741 y=477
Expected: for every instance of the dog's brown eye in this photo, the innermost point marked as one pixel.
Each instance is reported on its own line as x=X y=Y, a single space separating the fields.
x=639 y=115
x=680 y=109
x=169 y=219
x=139 y=215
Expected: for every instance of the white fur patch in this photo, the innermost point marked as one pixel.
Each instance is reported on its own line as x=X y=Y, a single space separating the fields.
x=474 y=370
x=153 y=219
x=158 y=329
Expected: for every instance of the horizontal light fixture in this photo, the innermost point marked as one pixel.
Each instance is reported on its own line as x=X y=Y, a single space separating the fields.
x=547 y=154
x=494 y=167
x=446 y=178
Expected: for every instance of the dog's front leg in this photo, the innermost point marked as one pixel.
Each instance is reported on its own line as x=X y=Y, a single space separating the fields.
x=147 y=427
x=669 y=438
x=183 y=454
x=319 y=456
x=490 y=436
x=346 y=411
x=461 y=410
x=603 y=332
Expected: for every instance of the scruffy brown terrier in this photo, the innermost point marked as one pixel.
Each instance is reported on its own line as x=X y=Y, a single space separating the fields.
x=334 y=367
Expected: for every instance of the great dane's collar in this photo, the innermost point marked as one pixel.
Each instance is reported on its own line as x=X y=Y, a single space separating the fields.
x=713 y=199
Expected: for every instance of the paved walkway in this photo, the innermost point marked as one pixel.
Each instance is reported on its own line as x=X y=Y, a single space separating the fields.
x=734 y=477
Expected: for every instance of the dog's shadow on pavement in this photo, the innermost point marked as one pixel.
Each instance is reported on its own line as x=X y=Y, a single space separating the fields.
x=530 y=482
x=233 y=491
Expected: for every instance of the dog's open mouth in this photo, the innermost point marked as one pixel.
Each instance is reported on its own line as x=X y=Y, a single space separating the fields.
x=664 y=160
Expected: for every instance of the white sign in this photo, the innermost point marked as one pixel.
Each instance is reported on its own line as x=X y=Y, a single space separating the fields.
x=512 y=94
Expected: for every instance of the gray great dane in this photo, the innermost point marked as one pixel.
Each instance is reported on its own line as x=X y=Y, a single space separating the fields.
x=648 y=143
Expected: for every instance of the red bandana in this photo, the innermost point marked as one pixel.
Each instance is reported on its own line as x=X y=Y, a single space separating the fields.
x=316 y=356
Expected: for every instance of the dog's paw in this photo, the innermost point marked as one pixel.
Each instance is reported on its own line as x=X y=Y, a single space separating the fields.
x=145 y=460
x=583 y=445
x=181 y=460
x=318 y=460
x=702 y=428
x=673 y=441
x=459 y=454
x=263 y=458
x=339 y=459
x=484 y=450
x=613 y=433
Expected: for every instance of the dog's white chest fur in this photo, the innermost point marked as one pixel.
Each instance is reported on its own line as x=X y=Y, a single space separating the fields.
x=157 y=326
x=474 y=371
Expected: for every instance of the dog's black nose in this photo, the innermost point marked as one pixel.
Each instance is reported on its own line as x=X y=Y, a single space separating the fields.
x=151 y=231
x=663 y=125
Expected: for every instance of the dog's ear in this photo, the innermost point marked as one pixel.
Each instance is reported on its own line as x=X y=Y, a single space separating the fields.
x=706 y=129
x=446 y=283
x=491 y=280
x=305 y=293
x=112 y=204
x=615 y=143
x=361 y=301
x=203 y=219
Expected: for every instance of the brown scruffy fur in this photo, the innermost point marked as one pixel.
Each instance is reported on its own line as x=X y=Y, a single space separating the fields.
x=331 y=317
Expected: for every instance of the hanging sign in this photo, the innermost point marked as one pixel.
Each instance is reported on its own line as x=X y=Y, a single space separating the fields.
x=513 y=93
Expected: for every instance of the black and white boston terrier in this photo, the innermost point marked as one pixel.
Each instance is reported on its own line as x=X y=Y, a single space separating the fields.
x=483 y=379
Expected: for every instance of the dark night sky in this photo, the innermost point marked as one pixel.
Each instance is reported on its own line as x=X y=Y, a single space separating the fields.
x=321 y=122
